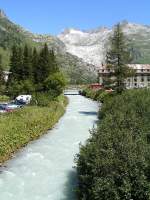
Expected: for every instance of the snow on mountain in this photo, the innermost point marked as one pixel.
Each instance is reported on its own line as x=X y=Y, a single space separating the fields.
x=92 y=45
x=88 y=45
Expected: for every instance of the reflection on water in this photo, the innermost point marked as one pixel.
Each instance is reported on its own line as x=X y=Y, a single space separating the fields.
x=88 y=113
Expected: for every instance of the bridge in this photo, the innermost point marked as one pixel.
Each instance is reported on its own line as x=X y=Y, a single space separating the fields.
x=71 y=92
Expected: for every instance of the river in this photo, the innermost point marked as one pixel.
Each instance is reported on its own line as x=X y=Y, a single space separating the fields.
x=43 y=170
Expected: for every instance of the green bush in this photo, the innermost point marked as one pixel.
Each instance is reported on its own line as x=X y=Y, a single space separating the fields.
x=42 y=99
x=2 y=88
x=45 y=99
x=55 y=83
x=97 y=95
x=115 y=162
x=89 y=93
x=4 y=98
x=21 y=87
x=102 y=96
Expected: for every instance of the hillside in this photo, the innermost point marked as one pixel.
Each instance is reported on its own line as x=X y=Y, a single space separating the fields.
x=139 y=39
x=10 y=33
x=79 y=53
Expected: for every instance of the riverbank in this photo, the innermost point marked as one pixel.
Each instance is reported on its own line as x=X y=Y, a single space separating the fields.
x=44 y=169
x=96 y=95
x=115 y=160
x=19 y=128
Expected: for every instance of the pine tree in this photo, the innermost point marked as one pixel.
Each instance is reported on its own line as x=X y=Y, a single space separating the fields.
x=35 y=65
x=1 y=71
x=117 y=59
x=19 y=63
x=16 y=62
x=46 y=65
x=43 y=66
x=13 y=64
x=26 y=69
x=20 y=79
x=53 y=63
x=2 y=80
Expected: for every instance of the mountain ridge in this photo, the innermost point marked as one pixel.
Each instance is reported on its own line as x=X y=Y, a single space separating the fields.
x=2 y=14
x=84 y=49
x=91 y=45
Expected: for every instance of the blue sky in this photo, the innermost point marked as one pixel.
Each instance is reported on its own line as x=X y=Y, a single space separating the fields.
x=52 y=16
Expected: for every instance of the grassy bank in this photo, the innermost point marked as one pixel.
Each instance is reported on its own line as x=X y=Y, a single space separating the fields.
x=115 y=162
x=97 y=95
x=23 y=126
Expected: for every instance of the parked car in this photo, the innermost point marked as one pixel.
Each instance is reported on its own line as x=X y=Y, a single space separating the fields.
x=4 y=108
x=13 y=105
x=24 y=99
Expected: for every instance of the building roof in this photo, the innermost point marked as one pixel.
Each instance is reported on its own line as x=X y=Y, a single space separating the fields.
x=134 y=66
x=139 y=66
x=6 y=72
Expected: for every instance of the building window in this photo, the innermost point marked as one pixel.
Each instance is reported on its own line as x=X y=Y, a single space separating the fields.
x=135 y=84
x=142 y=79
x=148 y=70
x=148 y=78
x=135 y=79
x=142 y=70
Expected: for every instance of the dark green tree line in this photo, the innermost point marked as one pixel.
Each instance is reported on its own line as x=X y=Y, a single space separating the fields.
x=2 y=82
x=31 y=69
x=1 y=71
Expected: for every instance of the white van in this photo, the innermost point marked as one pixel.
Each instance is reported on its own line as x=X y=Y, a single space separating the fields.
x=25 y=99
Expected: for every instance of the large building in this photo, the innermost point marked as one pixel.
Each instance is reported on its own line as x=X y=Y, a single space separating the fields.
x=140 y=79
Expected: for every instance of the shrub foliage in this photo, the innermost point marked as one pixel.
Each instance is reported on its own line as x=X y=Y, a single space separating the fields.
x=115 y=162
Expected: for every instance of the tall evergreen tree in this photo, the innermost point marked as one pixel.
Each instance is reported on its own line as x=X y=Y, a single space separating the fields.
x=117 y=59
x=53 y=63
x=1 y=71
x=43 y=68
x=20 y=57
x=26 y=70
x=35 y=63
x=16 y=62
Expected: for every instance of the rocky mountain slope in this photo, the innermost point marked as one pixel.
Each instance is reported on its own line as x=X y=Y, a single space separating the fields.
x=92 y=45
x=88 y=45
